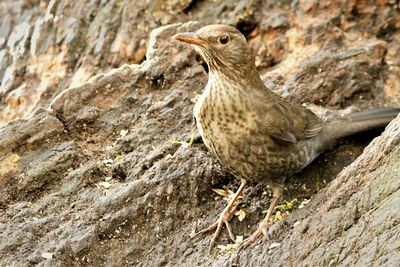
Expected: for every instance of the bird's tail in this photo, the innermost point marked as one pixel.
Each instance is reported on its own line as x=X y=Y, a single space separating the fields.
x=355 y=123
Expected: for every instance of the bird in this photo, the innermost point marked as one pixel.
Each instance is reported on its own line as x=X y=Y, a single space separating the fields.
x=256 y=134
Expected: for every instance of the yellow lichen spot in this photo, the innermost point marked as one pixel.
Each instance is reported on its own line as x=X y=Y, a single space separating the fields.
x=9 y=164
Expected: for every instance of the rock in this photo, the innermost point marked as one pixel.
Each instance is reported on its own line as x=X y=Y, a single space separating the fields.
x=96 y=102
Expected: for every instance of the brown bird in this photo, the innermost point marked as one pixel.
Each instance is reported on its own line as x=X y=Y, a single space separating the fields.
x=256 y=134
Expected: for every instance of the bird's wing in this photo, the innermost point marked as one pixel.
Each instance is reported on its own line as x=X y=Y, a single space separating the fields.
x=287 y=122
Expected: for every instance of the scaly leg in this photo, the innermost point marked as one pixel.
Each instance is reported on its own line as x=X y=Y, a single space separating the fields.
x=277 y=191
x=224 y=217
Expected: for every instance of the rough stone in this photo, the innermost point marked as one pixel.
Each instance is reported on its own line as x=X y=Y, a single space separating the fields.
x=96 y=108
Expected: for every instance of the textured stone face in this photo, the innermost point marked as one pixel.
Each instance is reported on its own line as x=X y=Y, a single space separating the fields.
x=92 y=176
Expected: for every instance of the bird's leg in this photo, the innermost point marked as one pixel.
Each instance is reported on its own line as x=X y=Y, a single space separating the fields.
x=224 y=217
x=277 y=191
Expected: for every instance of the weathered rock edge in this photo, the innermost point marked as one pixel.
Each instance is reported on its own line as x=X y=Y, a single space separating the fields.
x=54 y=205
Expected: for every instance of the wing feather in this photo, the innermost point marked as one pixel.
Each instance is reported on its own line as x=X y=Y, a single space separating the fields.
x=288 y=122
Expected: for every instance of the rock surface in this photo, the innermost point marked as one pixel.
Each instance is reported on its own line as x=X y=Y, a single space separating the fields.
x=94 y=96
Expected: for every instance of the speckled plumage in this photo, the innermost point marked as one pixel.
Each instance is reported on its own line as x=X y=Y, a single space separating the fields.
x=238 y=131
x=240 y=121
x=256 y=134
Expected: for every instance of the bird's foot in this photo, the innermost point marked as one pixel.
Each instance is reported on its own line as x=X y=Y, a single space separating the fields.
x=266 y=229
x=223 y=219
x=262 y=230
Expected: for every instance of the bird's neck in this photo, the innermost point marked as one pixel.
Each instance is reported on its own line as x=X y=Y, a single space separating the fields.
x=241 y=79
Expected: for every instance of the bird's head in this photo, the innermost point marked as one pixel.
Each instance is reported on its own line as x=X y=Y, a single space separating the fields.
x=223 y=47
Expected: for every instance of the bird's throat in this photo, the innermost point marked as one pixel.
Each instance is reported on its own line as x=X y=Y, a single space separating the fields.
x=234 y=80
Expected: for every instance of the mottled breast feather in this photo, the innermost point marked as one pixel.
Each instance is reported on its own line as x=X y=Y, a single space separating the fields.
x=254 y=138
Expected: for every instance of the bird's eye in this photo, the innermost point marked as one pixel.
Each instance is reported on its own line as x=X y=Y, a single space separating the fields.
x=223 y=39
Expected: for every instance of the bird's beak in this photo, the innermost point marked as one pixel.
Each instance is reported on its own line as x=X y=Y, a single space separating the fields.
x=189 y=37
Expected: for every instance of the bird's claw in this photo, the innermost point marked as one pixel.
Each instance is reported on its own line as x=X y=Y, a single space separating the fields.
x=223 y=219
x=261 y=231
x=250 y=240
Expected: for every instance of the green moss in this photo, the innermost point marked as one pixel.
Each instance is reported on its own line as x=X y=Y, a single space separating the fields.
x=184 y=143
x=287 y=206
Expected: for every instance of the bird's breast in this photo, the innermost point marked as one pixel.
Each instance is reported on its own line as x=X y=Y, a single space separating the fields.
x=237 y=135
x=223 y=124
x=217 y=114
